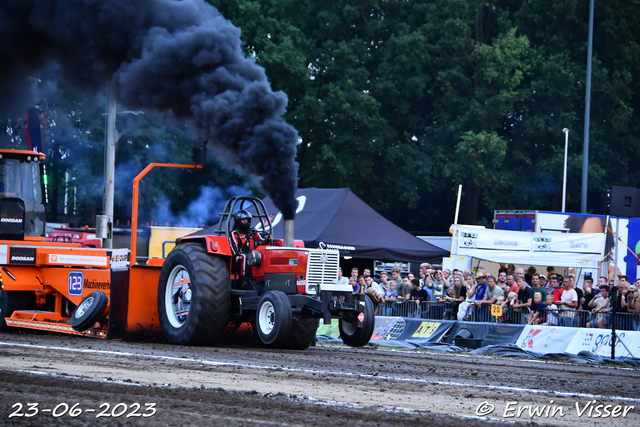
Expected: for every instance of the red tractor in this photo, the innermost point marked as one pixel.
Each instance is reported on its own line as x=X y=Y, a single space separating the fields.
x=206 y=282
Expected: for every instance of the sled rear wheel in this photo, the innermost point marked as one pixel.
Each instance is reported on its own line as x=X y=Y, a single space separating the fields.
x=89 y=311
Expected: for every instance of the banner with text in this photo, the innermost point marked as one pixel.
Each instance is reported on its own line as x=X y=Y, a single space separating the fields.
x=521 y=247
x=546 y=339
x=598 y=341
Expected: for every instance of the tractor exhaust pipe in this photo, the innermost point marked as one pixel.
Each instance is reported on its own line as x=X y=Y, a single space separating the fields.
x=288 y=232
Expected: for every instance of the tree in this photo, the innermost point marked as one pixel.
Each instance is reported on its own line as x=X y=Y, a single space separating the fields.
x=403 y=101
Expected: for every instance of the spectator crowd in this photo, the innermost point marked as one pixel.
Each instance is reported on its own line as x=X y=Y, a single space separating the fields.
x=523 y=297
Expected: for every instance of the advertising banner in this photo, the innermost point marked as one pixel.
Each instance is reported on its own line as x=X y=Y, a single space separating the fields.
x=598 y=341
x=628 y=229
x=404 y=332
x=396 y=331
x=428 y=330
x=502 y=334
x=582 y=243
x=482 y=238
x=521 y=247
x=489 y=333
x=329 y=330
x=546 y=339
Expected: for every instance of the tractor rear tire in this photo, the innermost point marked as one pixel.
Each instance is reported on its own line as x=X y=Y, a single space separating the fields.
x=89 y=311
x=274 y=319
x=194 y=296
x=11 y=301
x=352 y=335
x=303 y=333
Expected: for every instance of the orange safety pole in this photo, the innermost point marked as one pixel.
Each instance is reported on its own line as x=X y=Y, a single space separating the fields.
x=134 y=202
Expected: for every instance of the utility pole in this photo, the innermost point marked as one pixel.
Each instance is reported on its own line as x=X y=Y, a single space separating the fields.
x=587 y=114
x=105 y=222
x=564 y=178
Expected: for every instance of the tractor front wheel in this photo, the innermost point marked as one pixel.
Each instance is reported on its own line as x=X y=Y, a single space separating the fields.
x=193 y=296
x=274 y=318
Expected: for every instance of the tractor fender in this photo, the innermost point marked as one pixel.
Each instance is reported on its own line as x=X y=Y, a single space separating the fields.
x=218 y=245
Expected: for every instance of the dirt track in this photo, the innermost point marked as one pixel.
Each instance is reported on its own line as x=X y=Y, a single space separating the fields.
x=321 y=385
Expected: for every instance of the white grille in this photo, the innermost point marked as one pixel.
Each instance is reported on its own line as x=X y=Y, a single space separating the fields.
x=322 y=266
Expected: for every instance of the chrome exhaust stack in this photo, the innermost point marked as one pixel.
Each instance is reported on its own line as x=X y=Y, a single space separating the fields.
x=288 y=232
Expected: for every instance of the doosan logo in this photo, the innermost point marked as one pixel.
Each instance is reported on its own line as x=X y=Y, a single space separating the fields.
x=22 y=258
x=22 y=255
x=12 y=220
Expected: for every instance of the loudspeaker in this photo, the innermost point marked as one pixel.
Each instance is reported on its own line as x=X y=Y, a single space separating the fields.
x=622 y=201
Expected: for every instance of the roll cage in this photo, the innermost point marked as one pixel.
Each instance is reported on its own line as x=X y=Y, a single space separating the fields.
x=248 y=203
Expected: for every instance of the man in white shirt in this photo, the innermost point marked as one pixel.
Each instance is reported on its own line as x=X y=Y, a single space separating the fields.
x=372 y=284
x=342 y=280
x=568 y=301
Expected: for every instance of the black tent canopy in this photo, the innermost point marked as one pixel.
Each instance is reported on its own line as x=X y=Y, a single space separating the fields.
x=339 y=219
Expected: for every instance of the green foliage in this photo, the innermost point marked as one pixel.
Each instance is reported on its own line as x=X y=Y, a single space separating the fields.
x=402 y=101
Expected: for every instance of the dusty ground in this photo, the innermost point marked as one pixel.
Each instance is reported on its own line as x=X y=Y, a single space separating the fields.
x=324 y=384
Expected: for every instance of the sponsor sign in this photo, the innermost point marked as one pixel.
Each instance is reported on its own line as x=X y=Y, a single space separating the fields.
x=60 y=259
x=330 y=329
x=586 y=243
x=12 y=218
x=408 y=332
x=426 y=329
x=75 y=283
x=119 y=258
x=96 y=284
x=501 y=334
x=489 y=333
x=22 y=255
x=389 y=329
x=546 y=339
x=4 y=254
x=520 y=247
x=482 y=238
x=598 y=341
x=344 y=249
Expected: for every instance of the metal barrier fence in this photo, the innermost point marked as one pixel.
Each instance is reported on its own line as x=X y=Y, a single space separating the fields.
x=551 y=317
x=564 y=317
x=449 y=311
x=624 y=321
x=424 y=310
x=511 y=316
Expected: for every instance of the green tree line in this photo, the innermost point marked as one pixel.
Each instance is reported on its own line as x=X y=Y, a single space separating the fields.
x=402 y=101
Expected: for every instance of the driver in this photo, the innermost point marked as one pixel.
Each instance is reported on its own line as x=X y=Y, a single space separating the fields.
x=241 y=239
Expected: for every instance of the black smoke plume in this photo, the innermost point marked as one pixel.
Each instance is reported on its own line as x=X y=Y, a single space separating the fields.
x=178 y=56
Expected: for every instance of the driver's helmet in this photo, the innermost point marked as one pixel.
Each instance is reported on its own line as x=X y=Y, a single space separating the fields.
x=242 y=220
